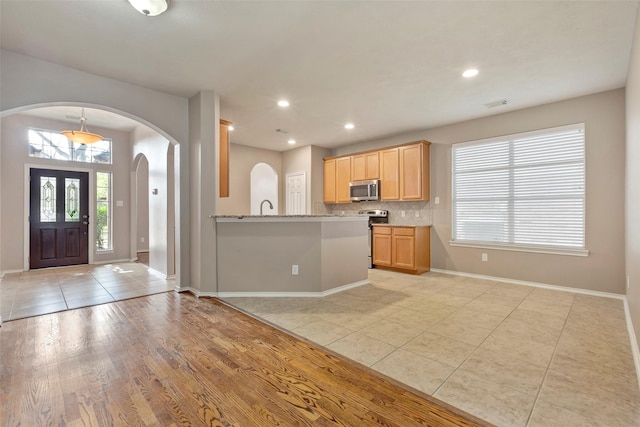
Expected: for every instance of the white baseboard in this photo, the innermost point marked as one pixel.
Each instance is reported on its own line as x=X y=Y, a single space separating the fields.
x=635 y=350
x=293 y=294
x=3 y=273
x=534 y=284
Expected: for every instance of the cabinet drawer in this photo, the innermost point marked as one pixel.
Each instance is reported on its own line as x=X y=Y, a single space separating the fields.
x=382 y=230
x=404 y=231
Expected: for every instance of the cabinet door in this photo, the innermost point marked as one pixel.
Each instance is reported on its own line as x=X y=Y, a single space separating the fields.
x=358 y=168
x=403 y=248
x=389 y=175
x=372 y=165
x=224 y=158
x=382 y=247
x=343 y=178
x=412 y=173
x=330 y=181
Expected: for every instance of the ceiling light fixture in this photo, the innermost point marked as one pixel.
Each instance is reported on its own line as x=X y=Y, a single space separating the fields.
x=349 y=126
x=82 y=136
x=291 y=141
x=283 y=103
x=471 y=72
x=150 y=7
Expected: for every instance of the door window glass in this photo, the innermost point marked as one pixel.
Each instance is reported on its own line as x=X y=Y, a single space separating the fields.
x=47 y=199
x=72 y=200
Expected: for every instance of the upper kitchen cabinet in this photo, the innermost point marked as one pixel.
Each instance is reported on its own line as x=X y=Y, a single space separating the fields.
x=337 y=175
x=414 y=171
x=330 y=181
x=365 y=166
x=390 y=174
x=343 y=178
x=224 y=157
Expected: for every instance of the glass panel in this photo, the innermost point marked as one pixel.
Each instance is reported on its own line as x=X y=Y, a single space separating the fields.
x=53 y=145
x=72 y=200
x=103 y=213
x=47 y=199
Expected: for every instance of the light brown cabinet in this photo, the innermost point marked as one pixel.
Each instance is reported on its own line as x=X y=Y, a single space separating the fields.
x=403 y=172
x=343 y=178
x=402 y=248
x=381 y=242
x=330 y=181
x=224 y=157
x=390 y=174
x=365 y=166
x=337 y=175
x=414 y=172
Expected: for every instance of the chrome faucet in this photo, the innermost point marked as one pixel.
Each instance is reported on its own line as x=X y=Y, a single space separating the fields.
x=262 y=205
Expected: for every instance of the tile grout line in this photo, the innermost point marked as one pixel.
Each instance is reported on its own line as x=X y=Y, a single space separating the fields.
x=546 y=372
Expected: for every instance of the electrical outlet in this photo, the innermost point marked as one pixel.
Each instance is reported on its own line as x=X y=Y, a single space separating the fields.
x=417 y=214
x=628 y=282
x=142 y=240
x=402 y=214
x=485 y=257
x=294 y=270
x=436 y=200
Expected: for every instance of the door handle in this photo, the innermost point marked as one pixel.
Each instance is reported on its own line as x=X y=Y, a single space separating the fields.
x=85 y=222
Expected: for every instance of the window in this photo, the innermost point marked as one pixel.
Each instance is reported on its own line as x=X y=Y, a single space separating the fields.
x=522 y=192
x=103 y=211
x=53 y=145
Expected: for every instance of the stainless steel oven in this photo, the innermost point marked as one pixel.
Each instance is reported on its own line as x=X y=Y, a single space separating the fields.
x=376 y=216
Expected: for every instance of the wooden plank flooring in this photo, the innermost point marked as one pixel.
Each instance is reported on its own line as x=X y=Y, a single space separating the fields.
x=174 y=360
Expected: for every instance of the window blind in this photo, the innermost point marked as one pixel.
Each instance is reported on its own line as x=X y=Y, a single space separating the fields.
x=524 y=190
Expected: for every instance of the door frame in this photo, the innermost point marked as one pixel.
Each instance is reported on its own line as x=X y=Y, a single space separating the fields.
x=25 y=213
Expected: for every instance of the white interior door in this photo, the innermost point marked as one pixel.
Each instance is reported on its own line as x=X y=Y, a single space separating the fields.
x=296 y=194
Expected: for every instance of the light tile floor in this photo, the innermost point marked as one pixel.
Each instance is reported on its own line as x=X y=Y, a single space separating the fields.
x=512 y=355
x=49 y=290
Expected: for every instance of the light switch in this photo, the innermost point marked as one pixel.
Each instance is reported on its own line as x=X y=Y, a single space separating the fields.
x=119 y=203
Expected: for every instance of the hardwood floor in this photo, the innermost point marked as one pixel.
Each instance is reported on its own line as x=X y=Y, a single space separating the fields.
x=172 y=359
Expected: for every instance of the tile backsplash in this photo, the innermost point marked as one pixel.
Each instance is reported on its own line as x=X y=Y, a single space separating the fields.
x=423 y=210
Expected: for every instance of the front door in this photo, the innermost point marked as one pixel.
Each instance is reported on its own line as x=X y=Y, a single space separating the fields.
x=58 y=218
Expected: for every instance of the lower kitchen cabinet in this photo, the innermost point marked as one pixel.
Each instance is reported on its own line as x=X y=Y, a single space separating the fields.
x=402 y=248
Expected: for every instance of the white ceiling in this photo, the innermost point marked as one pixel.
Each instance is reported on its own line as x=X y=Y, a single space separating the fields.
x=388 y=66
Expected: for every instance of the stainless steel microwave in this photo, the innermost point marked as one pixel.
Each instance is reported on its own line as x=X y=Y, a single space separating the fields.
x=364 y=190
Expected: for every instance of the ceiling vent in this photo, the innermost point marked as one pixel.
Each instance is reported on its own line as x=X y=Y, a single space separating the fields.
x=496 y=103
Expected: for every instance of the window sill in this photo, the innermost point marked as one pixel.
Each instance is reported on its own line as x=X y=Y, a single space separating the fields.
x=517 y=248
x=104 y=251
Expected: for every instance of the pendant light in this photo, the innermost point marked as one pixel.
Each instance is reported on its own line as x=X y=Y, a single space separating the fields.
x=82 y=136
x=150 y=7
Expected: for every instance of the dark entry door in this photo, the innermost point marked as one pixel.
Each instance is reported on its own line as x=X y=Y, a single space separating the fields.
x=58 y=218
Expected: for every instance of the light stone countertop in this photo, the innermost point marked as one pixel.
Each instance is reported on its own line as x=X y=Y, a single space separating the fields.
x=288 y=218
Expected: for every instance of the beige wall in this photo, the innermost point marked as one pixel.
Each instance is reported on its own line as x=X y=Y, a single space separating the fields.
x=155 y=149
x=632 y=248
x=142 y=204
x=15 y=155
x=604 y=118
x=242 y=159
x=257 y=256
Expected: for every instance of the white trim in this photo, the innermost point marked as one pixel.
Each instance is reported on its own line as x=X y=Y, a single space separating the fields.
x=293 y=294
x=632 y=337
x=516 y=248
x=110 y=261
x=534 y=284
x=3 y=273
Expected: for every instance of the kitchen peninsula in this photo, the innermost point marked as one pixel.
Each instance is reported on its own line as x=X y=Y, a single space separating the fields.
x=290 y=255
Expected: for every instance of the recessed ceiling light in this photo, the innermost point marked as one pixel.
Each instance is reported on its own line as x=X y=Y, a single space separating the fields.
x=471 y=72
x=291 y=141
x=349 y=126
x=283 y=103
x=231 y=128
